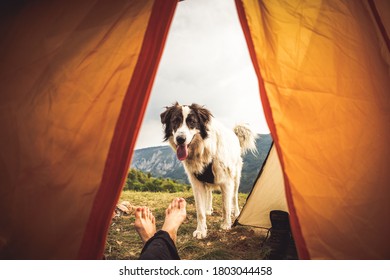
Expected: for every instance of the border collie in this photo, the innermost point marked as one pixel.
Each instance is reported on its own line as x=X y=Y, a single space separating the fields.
x=211 y=155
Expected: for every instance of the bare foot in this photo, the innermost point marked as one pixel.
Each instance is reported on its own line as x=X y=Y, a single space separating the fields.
x=145 y=223
x=174 y=216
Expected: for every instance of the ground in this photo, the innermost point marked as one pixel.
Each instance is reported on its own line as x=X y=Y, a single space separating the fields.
x=239 y=243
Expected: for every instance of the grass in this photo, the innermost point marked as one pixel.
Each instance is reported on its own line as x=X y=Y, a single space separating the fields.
x=239 y=243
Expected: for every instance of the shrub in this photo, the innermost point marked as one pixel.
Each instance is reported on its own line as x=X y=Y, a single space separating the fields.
x=139 y=181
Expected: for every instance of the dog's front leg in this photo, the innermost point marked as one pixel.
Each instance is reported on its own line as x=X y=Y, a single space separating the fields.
x=209 y=201
x=200 y=196
x=227 y=197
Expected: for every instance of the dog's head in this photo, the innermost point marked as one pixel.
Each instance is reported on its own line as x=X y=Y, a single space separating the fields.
x=182 y=123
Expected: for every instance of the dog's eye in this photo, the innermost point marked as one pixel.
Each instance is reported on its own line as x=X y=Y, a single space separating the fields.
x=191 y=122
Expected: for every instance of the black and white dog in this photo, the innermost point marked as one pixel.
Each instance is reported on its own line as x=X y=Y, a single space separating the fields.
x=211 y=154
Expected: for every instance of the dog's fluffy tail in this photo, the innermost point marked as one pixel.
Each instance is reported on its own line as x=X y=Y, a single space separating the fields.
x=246 y=137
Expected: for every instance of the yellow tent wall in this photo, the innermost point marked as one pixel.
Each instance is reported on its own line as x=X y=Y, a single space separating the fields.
x=323 y=68
x=268 y=194
x=75 y=77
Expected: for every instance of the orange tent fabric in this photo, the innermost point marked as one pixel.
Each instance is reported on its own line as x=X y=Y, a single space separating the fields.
x=323 y=68
x=75 y=78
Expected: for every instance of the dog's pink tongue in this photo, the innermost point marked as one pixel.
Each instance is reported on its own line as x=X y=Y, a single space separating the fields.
x=182 y=152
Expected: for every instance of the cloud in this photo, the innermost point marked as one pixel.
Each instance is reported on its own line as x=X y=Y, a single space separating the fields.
x=205 y=61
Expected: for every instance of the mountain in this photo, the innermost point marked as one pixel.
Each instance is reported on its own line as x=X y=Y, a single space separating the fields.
x=162 y=162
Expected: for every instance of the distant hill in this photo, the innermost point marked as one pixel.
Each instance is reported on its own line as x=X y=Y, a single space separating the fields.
x=162 y=162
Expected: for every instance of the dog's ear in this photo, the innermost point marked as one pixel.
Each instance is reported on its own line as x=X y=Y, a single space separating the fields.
x=165 y=120
x=166 y=115
x=204 y=117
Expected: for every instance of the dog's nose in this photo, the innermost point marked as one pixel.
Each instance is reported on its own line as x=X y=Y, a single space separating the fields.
x=180 y=140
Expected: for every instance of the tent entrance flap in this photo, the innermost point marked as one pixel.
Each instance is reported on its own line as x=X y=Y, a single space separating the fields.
x=65 y=73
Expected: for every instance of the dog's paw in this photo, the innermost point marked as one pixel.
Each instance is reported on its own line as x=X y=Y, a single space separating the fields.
x=226 y=226
x=235 y=213
x=209 y=212
x=200 y=234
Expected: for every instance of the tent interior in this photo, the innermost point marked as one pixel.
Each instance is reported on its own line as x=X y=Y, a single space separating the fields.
x=269 y=189
x=75 y=80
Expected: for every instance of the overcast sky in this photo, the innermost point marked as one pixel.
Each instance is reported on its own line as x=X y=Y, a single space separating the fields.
x=205 y=61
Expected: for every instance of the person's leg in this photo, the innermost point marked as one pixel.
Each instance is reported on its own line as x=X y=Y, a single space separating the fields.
x=161 y=244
